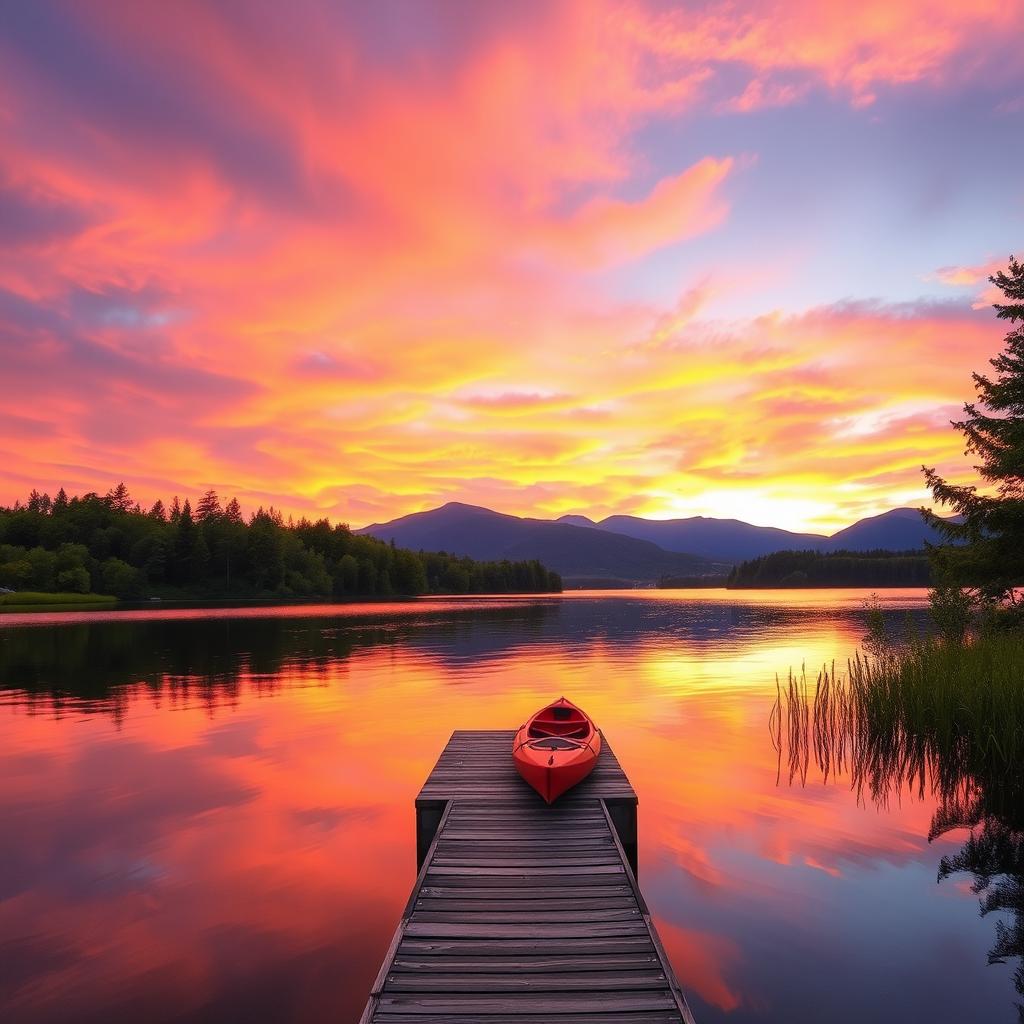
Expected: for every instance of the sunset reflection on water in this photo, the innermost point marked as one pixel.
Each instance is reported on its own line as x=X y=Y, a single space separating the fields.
x=210 y=816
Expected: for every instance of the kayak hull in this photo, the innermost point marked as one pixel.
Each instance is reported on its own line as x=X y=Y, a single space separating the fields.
x=553 y=754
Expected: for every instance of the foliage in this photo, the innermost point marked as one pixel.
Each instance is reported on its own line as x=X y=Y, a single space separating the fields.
x=951 y=608
x=989 y=558
x=876 y=639
x=91 y=542
x=833 y=569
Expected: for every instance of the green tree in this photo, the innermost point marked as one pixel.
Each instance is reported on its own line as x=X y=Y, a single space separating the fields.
x=208 y=507
x=348 y=574
x=117 y=577
x=119 y=499
x=265 y=552
x=16 y=574
x=987 y=553
x=74 y=580
x=191 y=555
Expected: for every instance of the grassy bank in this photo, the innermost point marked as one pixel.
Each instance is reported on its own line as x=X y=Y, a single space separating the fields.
x=31 y=598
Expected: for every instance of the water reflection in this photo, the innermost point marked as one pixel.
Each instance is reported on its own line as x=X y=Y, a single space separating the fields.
x=822 y=728
x=994 y=855
x=210 y=817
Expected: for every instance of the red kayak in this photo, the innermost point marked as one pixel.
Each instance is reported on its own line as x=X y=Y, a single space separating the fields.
x=557 y=748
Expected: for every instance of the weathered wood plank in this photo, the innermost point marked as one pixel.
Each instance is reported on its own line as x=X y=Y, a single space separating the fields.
x=455 y=878
x=534 y=984
x=551 y=905
x=475 y=860
x=527 y=917
x=547 y=946
x=413 y=962
x=616 y=1017
x=557 y=930
x=532 y=872
x=540 y=893
x=522 y=1002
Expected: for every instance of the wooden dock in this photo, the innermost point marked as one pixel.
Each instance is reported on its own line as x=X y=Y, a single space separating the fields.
x=523 y=913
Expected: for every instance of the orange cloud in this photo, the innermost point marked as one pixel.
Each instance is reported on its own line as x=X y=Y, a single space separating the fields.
x=853 y=47
x=317 y=272
x=607 y=231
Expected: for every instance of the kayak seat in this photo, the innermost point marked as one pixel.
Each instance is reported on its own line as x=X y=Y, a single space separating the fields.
x=554 y=743
x=547 y=727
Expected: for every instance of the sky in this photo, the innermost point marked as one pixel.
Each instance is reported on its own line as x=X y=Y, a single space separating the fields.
x=358 y=260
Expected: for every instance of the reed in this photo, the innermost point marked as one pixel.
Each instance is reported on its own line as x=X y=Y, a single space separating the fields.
x=931 y=710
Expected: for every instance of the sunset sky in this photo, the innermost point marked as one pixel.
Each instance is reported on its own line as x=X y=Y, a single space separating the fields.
x=357 y=260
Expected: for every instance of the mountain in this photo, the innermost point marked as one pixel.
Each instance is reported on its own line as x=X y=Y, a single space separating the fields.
x=573 y=551
x=631 y=549
x=900 y=529
x=732 y=540
x=581 y=521
x=729 y=540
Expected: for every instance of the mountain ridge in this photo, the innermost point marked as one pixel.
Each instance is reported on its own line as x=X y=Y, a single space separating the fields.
x=630 y=548
x=570 y=550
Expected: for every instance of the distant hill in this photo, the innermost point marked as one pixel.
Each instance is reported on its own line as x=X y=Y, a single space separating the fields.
x=729 y=540
x=573 y=551
x=901 y=529
x=732 y=540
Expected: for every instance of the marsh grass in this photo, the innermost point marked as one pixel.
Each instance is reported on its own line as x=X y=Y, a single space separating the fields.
x=932 y=710
x=27 y=598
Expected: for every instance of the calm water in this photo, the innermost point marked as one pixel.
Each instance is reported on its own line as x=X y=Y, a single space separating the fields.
x=208 y=815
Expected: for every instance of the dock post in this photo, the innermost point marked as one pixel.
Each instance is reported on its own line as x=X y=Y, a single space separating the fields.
x=623 y=815
x=428 y=816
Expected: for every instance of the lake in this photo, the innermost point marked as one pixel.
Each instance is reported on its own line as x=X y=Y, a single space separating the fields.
x=207 y=815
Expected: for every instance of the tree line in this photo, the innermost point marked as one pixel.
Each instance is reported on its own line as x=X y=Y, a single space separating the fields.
x=833 y=569
x=109 y=544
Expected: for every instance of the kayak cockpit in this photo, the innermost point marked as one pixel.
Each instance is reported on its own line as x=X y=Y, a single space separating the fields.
x=560 y=720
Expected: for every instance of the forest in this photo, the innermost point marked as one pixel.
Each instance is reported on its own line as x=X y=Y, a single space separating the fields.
x=109 y=544
x=833 y=569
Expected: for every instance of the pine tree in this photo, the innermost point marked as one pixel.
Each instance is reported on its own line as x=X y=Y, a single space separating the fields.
x=191 y=554
x=158 y=512
x=38 y=502
x=119 y=499
x=233 y=512
x=987 y=555
x=208 y=507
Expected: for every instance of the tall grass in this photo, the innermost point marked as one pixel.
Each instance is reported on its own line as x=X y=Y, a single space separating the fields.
x=29 y=597
x=932 y=710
